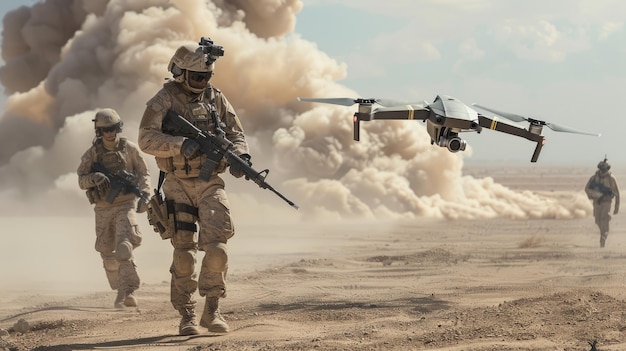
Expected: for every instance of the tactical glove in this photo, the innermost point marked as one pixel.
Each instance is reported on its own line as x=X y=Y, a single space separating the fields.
x=236 y=169
x=101 y=181
x=190 y=149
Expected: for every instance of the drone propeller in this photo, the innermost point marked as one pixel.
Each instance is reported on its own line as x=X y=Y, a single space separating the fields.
x=517 y=118
x=559 y=128
x=365 y=108
x=513 y=117
x=352 y=101
x=335 y=101
x=391 y=103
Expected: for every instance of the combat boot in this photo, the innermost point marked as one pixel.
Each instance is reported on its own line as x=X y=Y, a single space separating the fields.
x=211 y=317
x=188 y=325
x=119 y=299
x=130 y=300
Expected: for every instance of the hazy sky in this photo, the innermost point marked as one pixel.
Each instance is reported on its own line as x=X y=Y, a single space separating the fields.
x=67 y=58
x=562 y=61
x=558 y=60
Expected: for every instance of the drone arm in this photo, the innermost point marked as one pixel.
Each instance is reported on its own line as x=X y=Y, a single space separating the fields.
x=493 y=124
x=404 y=112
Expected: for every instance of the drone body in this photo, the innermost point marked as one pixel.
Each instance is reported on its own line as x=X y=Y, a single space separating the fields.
x=445 y=118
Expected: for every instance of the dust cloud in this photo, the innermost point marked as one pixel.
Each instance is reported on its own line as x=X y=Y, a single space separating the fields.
x=65 y=59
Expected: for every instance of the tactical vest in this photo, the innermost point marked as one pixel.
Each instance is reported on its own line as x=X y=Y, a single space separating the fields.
x=113 y=160
x=605 y=181
x=199 y=114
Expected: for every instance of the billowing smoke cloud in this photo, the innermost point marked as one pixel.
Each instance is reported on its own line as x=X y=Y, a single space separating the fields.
x=65 y=59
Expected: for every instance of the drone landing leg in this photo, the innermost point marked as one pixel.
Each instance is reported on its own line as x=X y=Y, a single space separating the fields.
x=357 y=125
x=537 y=151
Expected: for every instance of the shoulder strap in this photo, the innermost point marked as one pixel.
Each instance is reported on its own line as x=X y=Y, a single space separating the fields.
x=161 y=180
x=99 y=150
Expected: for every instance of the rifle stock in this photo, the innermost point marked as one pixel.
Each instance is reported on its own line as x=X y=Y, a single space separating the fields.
x=216 y=148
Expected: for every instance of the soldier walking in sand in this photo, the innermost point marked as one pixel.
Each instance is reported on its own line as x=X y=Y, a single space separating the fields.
x=191 y=199
x=115 y=175
x=602 y=188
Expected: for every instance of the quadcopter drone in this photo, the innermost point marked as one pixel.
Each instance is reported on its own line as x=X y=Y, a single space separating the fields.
x=445 y=118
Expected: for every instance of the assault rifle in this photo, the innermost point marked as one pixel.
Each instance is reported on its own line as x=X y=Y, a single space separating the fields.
x=216 y=148
x=605 y=190
x=121 y=182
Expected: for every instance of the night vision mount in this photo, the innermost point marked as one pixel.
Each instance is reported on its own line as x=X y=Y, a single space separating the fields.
x=211 y=50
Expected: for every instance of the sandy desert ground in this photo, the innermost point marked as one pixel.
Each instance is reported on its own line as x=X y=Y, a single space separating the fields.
x=423 y=284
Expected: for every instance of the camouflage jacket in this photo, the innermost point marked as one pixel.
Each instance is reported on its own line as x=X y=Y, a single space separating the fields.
x=606 y=181
x=130 y=159
x=196 y=109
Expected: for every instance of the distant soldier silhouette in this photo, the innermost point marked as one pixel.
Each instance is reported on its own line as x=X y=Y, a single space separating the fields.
x=602 y=188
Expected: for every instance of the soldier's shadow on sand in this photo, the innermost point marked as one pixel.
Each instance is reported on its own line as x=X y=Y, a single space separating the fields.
x=63 y=308
x=425 y=304
x=153 y=341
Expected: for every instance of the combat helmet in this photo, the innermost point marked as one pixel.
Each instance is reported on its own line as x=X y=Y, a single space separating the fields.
x=197 y=59
x=107 y=118
x=604 y=165
x=189 y=58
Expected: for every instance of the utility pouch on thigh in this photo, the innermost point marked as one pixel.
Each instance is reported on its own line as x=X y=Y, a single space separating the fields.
x=158 y=216
x=173 y=209
x=162 y=216
x=162 y=213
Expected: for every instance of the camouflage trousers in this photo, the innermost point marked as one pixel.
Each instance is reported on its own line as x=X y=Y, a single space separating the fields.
x=114 y=226
x=215 y=228
x=601 y=214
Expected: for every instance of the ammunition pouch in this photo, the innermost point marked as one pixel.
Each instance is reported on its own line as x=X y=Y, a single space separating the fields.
x=162 y=216
x=203 y=166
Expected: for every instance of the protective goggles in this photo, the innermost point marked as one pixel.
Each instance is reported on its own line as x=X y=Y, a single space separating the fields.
x=110 y=129
x=199 y=76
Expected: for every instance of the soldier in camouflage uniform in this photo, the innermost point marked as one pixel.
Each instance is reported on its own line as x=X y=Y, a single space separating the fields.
x=602 y=188
x=117 y=232
x=190 y=95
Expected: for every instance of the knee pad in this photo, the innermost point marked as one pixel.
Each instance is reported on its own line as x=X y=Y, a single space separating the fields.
x=215 y=257
x=184 y=262
x=124 y=251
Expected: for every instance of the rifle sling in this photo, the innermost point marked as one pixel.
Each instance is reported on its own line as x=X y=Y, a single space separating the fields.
x=161 y=180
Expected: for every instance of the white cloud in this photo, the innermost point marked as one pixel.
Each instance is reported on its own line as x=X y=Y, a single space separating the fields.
x=610 y=28
x=405 y=46
x=470 y=50
x=539 y=40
